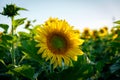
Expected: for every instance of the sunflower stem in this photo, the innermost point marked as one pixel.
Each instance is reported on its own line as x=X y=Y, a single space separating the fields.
x=12 y=46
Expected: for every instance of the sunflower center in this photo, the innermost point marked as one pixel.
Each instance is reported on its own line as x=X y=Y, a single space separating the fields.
x=58 y=42
x=102 y=31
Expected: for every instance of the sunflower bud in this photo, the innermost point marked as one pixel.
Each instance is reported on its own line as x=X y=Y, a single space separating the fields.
x=11 y=10
x=27 y=24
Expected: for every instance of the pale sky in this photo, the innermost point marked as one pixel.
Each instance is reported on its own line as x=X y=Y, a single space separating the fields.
x=79 y=13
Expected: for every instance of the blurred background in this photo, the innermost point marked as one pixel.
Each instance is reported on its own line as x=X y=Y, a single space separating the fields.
x=101 y=47
x=79 y=13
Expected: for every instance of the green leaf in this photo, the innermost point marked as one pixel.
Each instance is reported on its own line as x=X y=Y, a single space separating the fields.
x=20 y=8
x=117 y=26
x=18 y=22
x=80 y=71
x=117 y=22
x=100 y=65
x=34 y=30
x=5 y=27
x=25 y=70
x=115 y=67
x=115 y=44
x=24 y=35
x=29 y=48
x=2 y=61
x=34 y=20
x=7 y=37
x=2 y=51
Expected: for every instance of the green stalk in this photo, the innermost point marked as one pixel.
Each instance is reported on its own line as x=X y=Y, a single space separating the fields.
x=12 y=18
x=12 y=46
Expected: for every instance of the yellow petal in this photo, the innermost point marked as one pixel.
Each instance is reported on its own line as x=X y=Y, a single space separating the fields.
x=55 y=65
x=75 y=58
x=44 y=55
x=53 y=60
x=49 y=56
x=59 y=60
x=66 y=60
x=40 y=50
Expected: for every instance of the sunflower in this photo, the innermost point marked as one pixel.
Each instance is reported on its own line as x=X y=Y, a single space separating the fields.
x=114 y=33
x=86 y=33
x=106 y=28
x=58 y=42
x=103 y=32
x=94 y=34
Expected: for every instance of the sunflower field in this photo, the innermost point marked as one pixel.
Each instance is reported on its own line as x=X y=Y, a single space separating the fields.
x=54 y=50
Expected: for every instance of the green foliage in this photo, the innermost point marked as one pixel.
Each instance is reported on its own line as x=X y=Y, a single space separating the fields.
x=81 y=70
x=117 y=22
x=18 y=22
x=24 y=35
x=29 y=49
x=5 y=27
x=25 y=70
x=7 y=37
x=19 y=59
x=115 y=67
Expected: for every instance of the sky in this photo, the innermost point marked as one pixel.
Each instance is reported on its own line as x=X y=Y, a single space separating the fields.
x=79 y=13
